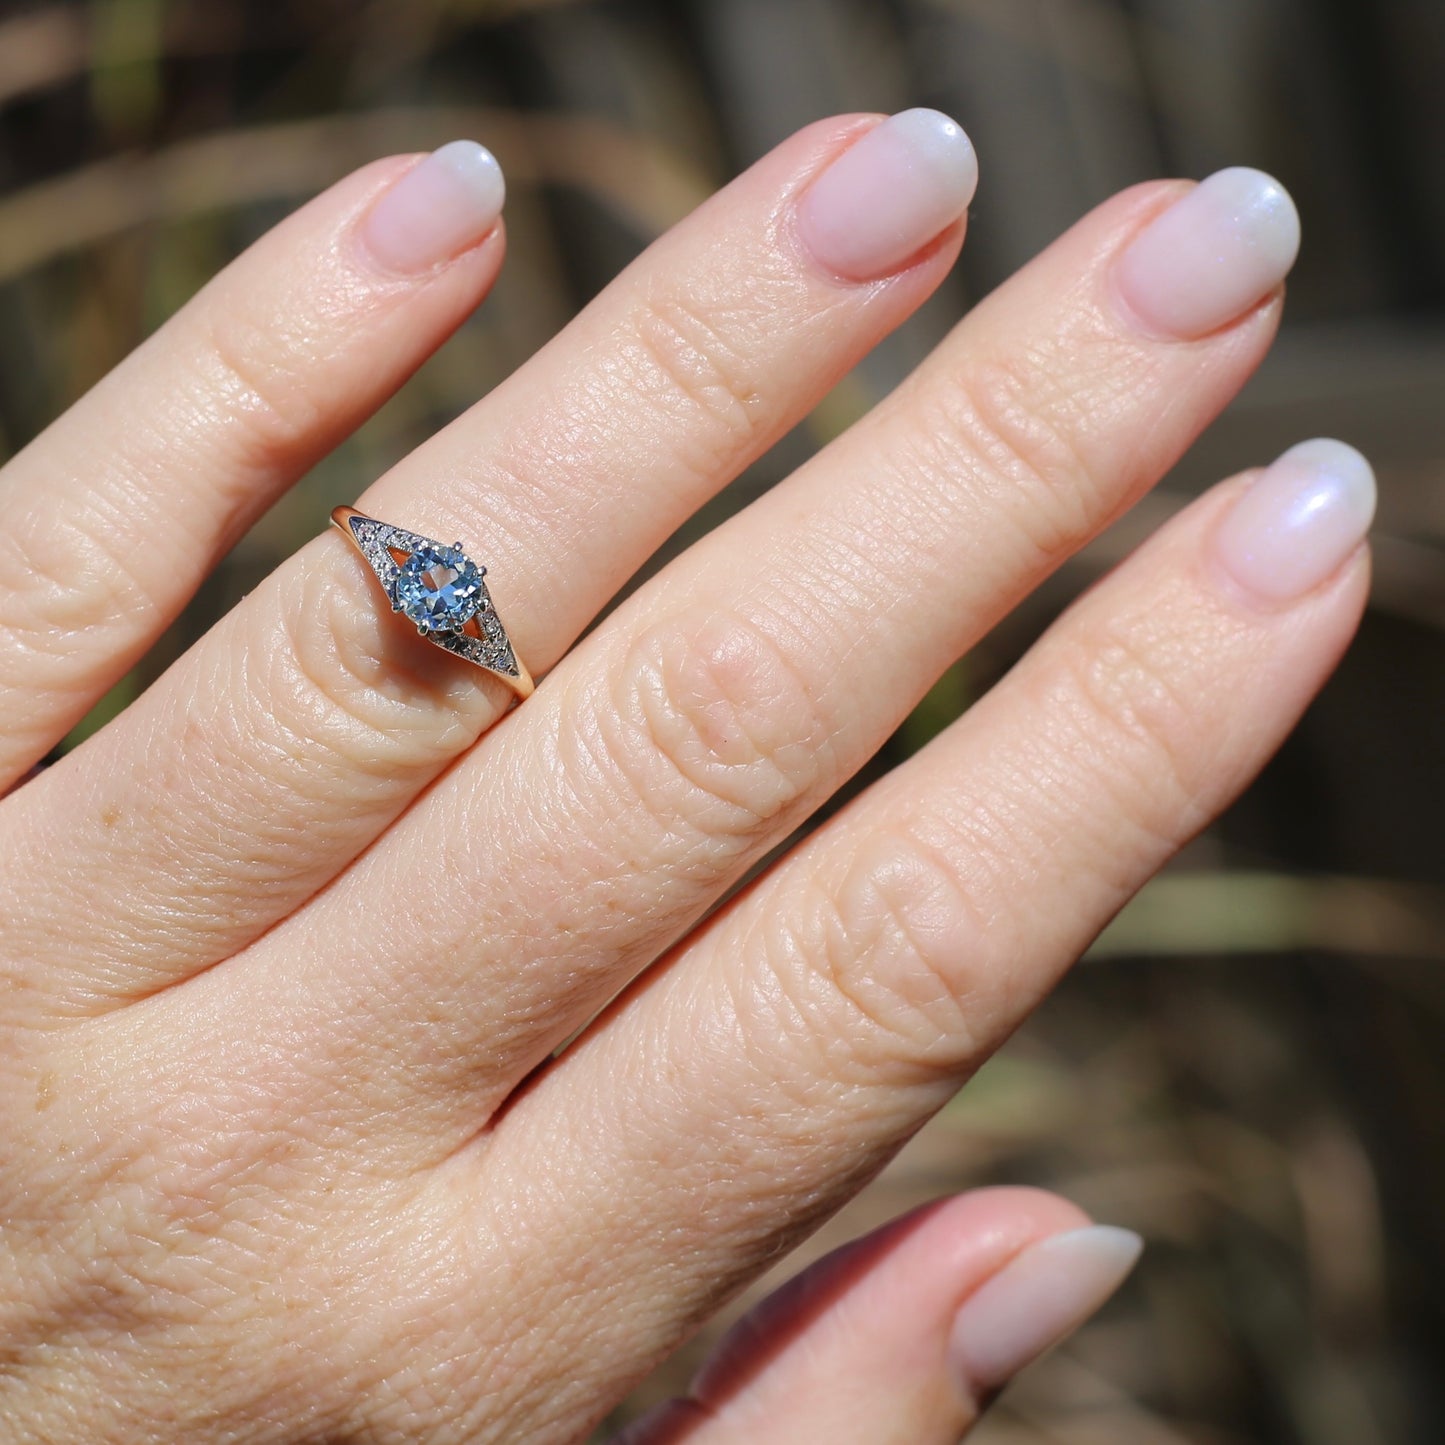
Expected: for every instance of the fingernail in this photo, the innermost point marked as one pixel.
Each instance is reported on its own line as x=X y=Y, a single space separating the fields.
x=1036 y=1300
x=1295 y=527
x=438 y=209
x=1213 y=255
x=889 y=194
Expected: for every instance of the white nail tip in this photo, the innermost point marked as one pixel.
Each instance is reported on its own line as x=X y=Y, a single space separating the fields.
x=447 y=202
x=1037 y=1299
x=890 y=193
x=1300 y=521
x=1347 y=468
x=474 y=164
x=1212 y=255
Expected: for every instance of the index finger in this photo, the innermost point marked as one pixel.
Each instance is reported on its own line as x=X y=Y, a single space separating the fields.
x=117 y=511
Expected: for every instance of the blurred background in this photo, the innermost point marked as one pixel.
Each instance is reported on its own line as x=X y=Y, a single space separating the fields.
x=1247 y=1067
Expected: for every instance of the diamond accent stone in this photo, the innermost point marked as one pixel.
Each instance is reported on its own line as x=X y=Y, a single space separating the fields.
x=438 y=588
x=381 y=543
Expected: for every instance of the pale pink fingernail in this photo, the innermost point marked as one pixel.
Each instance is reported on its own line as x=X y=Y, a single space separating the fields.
x=888 y=195
x=1213 y=255
x=1297 y=525
x=438 y=209
x=1037 y=1299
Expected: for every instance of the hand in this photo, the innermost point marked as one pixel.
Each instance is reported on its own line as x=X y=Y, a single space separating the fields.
x=287 y=945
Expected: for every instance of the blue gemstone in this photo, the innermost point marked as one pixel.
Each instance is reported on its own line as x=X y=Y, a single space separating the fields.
x=439 y=588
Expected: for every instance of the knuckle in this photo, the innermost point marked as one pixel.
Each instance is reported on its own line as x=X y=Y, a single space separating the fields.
x=1016 y=419
x=1134 y=730
x=688 y=358
x=718 y=732
x=256 y=377
x=336 y=673
x=885 y=964
x=59 y=579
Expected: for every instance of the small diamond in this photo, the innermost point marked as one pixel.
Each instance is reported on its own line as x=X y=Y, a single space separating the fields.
x=439 y=588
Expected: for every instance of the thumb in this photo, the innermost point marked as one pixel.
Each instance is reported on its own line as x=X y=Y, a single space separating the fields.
x=906 y=1334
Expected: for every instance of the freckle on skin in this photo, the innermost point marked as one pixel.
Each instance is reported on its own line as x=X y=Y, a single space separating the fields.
x=45 y=1091
x=110 y=815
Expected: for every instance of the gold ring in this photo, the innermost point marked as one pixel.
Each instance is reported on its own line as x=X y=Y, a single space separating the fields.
x=440 y=589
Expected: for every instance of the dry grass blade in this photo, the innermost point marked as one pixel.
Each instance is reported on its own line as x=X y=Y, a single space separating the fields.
x=1224 y=913
x=640 y=180
x=40 y=50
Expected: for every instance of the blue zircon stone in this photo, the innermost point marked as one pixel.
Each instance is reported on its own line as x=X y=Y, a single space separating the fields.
x=439 y=588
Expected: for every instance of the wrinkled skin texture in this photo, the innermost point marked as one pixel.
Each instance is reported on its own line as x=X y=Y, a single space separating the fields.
x=286 y=946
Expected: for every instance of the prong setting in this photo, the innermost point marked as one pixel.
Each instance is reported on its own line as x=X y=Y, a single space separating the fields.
x=439 y=589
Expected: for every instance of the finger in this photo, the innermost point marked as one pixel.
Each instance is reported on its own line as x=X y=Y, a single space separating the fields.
x=116 y=512
x=310 y=717
x=904 y=1335
x=700 y=725
x=791 y=1045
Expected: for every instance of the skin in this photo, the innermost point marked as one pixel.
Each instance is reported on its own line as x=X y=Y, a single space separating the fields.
x=269 y=1175
x=855 y=1347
